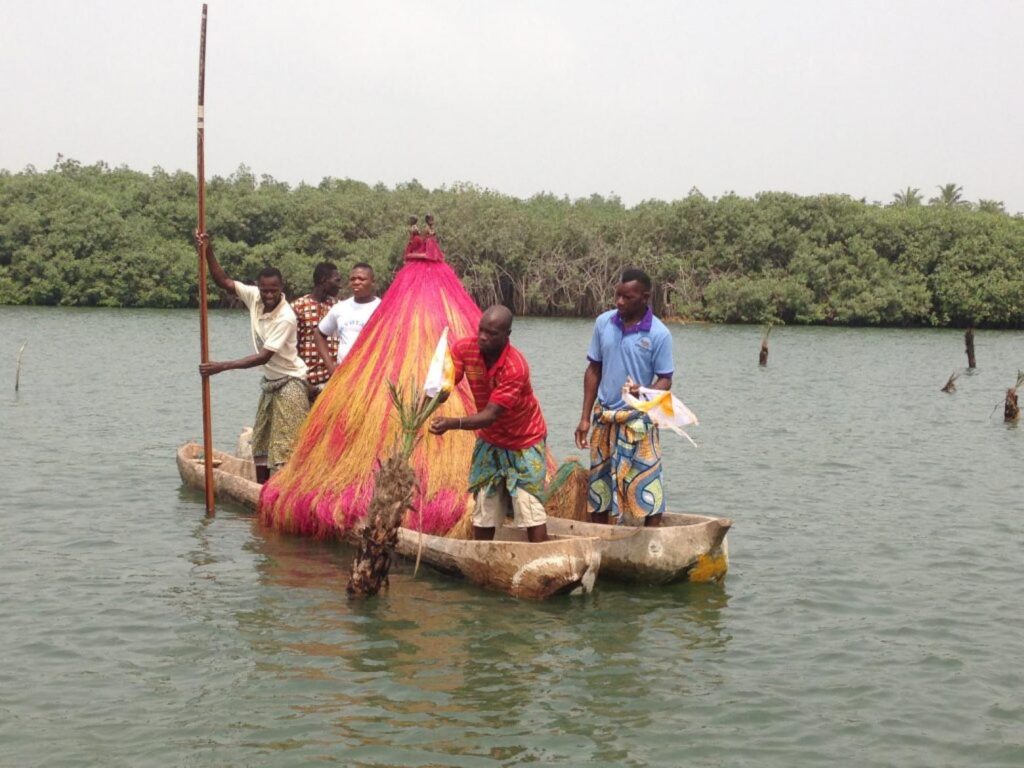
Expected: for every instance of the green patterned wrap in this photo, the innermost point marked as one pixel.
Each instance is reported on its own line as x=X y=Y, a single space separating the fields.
x=492 y=466
x=283 y=406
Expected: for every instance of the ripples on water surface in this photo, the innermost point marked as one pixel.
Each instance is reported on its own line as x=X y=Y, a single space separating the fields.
x=871 y=616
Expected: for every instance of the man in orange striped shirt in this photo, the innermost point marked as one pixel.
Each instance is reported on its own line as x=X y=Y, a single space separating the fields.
x=508 y=467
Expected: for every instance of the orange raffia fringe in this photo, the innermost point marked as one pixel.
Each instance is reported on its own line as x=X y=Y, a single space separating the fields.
x=327 y=485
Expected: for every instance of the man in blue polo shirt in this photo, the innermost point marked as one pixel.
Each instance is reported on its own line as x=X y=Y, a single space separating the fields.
x=630 y=347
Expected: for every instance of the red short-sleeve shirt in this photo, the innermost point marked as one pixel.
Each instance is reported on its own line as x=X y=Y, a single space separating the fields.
x=506 y=383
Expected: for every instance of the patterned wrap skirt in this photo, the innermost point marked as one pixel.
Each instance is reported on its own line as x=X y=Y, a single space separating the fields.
x=625 y=466
x=492 y=466
x=283 y=406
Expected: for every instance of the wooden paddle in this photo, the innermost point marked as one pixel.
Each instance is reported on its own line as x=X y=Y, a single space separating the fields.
x=204 y=335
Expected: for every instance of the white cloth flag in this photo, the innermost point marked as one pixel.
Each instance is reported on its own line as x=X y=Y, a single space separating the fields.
x=441 y=374
x=664 y=409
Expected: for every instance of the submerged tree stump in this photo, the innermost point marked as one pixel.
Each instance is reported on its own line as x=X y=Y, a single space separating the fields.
x=1011 y=411
x=392 y=496
x=951 y=384
x=969 y=345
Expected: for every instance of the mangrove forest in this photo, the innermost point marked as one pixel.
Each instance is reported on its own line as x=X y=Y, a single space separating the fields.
x=92 y=235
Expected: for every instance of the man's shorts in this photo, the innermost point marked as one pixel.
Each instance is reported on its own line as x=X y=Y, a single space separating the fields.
x=494 y=505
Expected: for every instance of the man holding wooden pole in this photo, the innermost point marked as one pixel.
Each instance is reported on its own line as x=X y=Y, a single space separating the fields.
x=284 y=402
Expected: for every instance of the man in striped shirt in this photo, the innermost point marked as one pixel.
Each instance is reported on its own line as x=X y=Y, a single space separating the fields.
x=509 y=459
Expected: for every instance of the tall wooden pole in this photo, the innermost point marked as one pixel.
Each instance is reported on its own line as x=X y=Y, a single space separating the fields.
x=204 y=334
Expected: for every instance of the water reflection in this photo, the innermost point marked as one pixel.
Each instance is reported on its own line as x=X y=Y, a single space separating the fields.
x=440 y=667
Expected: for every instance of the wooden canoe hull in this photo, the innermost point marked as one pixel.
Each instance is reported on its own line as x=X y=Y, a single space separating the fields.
x=683 y=548
x=561 y=565
x=233 y=478
x=510 y=564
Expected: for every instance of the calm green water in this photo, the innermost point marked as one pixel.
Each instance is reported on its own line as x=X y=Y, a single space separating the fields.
x=871 y=617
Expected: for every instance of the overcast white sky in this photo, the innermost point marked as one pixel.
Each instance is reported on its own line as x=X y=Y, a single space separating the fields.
x=641 y=99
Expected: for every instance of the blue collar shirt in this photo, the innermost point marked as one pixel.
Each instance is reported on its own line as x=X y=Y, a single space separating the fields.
x=642 y=352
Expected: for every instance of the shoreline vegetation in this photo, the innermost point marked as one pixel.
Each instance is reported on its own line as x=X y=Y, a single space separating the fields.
x=92 y=235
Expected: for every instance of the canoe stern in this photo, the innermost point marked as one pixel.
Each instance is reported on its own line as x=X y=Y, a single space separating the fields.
x=684 y=548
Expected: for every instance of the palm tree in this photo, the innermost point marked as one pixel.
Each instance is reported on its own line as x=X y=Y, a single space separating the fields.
x=907 y=198
x=991 y=206
x=950 y=196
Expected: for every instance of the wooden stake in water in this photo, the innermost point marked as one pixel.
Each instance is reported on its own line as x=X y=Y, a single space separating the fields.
x=204 y=335
x=17 y=372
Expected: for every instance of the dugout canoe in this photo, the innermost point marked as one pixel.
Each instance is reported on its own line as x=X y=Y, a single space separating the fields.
x=682 y=548
x=566 y=563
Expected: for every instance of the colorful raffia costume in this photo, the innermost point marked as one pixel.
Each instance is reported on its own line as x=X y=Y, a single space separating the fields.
x=327 y=485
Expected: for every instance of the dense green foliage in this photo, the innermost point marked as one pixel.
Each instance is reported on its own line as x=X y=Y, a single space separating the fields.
x=96 y=236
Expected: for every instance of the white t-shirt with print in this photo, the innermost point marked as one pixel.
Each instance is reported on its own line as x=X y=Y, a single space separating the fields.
x=276 y=330
x=346 y=320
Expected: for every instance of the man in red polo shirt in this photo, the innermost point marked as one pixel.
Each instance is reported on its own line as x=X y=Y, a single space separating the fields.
x=508 y=467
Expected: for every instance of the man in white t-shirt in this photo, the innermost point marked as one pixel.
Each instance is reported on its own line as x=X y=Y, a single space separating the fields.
x=346 y=319
x=284 y=402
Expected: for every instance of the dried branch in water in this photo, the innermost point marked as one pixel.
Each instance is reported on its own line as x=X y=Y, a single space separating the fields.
x=951 y=384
